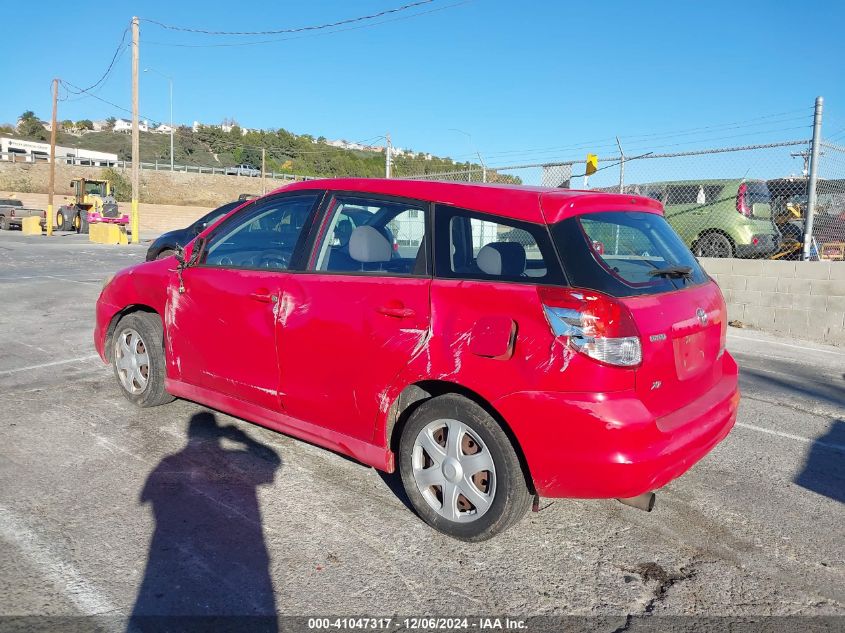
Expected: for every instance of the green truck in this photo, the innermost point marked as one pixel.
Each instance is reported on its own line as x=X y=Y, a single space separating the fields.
x=719 y=218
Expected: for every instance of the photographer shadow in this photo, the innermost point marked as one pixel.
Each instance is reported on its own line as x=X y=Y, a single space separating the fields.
x=208 y=558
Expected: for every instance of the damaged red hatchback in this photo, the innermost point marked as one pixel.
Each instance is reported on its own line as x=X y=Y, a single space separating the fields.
x=493 y=343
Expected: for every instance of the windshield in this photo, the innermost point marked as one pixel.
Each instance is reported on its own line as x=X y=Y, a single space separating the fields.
x=625 y=253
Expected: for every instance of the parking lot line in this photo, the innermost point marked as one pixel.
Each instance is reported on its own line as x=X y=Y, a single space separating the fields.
x=61 y=574
x=9 y=372
x=790 y=436
x=770 y=342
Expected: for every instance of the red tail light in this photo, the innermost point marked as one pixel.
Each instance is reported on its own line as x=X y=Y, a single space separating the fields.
x=44 y=214
x=742 y=205
x=12 y=213
x=594 y=324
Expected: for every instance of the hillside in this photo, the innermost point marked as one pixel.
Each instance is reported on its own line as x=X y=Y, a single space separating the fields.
x=286 y=152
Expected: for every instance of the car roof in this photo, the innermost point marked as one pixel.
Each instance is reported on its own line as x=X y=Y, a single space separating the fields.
x=527 y=204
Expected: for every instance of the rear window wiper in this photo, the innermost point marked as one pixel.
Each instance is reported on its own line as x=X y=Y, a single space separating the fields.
x=672 y=272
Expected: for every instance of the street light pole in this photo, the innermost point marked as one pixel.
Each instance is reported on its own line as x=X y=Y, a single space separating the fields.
x=170 y=82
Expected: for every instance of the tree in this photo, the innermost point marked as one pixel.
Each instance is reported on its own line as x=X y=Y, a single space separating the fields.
x=30 y=127
x=85 y=124
x=110 y=123
x=67 y=124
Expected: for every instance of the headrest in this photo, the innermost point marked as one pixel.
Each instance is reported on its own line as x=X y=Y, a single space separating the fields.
x=366 y=244
x=502 y=258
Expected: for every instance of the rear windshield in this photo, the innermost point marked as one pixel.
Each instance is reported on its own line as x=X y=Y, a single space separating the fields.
x=619 y=252
x=7 y=202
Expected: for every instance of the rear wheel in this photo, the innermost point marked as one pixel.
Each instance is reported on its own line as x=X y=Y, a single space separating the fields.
x=714 y=245
x=460 y=470
x=138 y=359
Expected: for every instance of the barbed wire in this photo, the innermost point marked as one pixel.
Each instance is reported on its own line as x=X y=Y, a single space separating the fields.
x=611 y=141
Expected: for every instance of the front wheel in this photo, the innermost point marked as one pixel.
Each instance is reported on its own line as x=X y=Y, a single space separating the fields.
x=714 y=245
x=460 y=470
x=138 y=359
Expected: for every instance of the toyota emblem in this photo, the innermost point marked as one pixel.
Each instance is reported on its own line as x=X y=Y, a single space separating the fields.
x=702 y=316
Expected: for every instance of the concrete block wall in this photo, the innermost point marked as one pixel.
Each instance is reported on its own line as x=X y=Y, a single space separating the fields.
x=805 y=300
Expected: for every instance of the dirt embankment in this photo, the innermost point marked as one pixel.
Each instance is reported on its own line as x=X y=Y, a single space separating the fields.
x=158 y=187
x=169 y=200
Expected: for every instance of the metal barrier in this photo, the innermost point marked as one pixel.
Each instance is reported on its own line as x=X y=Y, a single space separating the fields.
x=76 y=161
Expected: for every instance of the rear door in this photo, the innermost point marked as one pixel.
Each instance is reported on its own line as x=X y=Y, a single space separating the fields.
x=352 y=320
x=681 y=319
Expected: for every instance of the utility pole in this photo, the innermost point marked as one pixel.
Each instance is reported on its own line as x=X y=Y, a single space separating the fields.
x=263 y=171
x=388 y=160
x=814 y=176
x=134 y=220
x=49 y=219
x=621 y=167
x=170 y=80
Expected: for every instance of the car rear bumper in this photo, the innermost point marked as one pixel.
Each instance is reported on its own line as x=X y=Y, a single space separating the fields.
x=594 y=445
x=760 y=245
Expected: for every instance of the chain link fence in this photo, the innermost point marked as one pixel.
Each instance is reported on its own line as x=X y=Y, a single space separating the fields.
x=742 y=201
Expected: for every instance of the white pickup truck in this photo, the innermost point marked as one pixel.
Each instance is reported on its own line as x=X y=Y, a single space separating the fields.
x=12 y=213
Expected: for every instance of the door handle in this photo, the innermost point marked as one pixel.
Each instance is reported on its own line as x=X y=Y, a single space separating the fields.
x=263 y=295
x=397 y=310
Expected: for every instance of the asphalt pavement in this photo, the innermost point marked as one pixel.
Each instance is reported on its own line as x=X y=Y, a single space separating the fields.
x=104 y=506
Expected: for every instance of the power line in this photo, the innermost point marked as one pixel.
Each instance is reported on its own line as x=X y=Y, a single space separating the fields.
x=299 y=29
x=315 y=34
x=102 y=78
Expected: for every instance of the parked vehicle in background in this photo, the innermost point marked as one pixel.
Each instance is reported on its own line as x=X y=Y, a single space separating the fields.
x=719 y=218
x=92 y=202
x=166 y=244
x=247 y=196
x=789 y=205
x=245 y=169
x=12 y=213
x=603 y=374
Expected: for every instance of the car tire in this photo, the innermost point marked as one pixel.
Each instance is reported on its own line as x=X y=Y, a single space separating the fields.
x=138 y=336
x=502 y=489
x=167 y=252
x=4 y=223
x=714 y=244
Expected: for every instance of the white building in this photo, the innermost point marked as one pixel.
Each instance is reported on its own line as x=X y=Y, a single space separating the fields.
x=13 y=149
x=125 y=125
x=163 y=128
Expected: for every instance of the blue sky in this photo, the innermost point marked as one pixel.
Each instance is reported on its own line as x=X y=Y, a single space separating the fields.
x=515 y=76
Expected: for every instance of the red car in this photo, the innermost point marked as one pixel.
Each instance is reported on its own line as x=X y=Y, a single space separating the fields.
x=516 y=342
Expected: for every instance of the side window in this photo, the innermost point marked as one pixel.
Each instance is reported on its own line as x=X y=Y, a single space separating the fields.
x=479 y=246
x=374 y=236
x=261 y=236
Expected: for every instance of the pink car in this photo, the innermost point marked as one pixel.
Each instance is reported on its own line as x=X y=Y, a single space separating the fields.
x=518 y=342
